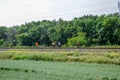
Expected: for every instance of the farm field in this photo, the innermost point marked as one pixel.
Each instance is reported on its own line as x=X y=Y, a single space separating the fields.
x=47 y=70
x=55 y=64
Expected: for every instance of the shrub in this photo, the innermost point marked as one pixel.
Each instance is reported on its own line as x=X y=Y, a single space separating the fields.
x=80 y=39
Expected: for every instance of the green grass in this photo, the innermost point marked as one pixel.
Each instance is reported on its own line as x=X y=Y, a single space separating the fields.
x=47 y=70
x=101 y=57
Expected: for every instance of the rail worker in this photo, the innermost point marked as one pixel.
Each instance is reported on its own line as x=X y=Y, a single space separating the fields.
x=59 y=44
x=78 y=44
x=53 y=44
x=36 y=44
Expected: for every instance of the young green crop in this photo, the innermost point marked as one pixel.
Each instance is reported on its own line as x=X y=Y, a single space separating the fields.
x=46 y=70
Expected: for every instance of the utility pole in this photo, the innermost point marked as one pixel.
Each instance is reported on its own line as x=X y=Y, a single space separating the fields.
x=119 y=7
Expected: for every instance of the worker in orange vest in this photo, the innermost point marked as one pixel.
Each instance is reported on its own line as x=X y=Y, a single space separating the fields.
x=36 y=44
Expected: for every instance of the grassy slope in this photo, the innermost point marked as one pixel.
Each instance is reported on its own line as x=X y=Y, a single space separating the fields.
x=16 y=70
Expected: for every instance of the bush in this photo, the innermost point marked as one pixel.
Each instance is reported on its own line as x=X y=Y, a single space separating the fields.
x=80 y=39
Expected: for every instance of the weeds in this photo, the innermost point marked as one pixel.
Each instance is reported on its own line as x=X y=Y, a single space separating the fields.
x=111 y=57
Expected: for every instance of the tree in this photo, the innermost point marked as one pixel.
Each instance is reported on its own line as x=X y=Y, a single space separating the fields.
x=11 y=39
x=24 y=39
x=99 y=30
x=3 y=31
x=3 y=36
x=107 y=34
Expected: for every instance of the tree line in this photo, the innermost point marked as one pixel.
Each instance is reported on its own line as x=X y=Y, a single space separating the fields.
x=86 y=31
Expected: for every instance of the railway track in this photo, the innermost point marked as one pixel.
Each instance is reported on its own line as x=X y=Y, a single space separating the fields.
x=65 y=49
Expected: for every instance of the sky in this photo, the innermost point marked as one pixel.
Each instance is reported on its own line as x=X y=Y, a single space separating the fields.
x=17 y=12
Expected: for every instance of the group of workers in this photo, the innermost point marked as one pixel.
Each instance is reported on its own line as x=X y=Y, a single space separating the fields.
x=58 y=44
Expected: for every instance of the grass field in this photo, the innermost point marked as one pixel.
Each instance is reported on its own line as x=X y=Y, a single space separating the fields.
x=47 y=70
x=101 y=57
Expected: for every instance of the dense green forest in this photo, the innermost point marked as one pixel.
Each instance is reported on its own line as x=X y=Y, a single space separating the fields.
x=86 y=30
